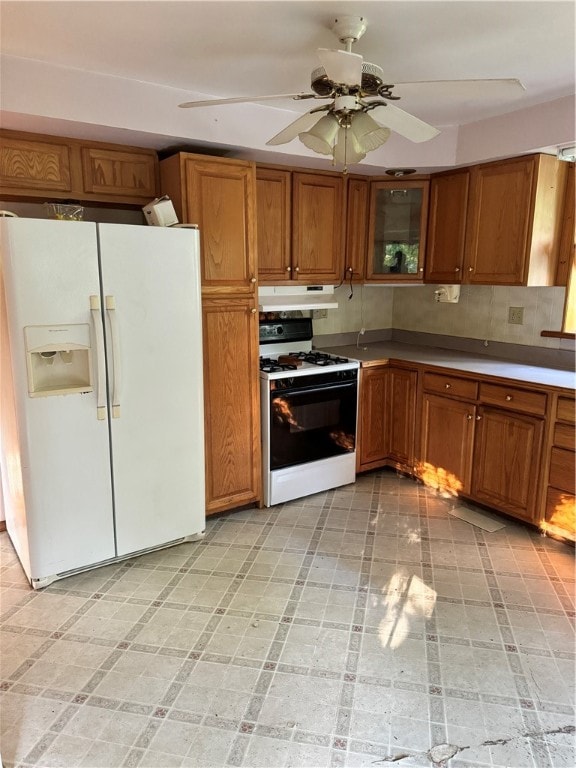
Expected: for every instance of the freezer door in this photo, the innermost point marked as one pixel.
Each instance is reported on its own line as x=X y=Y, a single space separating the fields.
x=151 y=285
x=55 y=451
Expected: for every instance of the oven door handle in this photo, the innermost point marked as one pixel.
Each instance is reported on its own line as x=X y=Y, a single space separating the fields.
x=313 y=388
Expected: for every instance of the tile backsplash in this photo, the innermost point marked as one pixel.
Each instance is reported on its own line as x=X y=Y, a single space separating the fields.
x=481 y=313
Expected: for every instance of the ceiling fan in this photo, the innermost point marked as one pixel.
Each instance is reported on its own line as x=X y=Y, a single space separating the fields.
x=344 y=128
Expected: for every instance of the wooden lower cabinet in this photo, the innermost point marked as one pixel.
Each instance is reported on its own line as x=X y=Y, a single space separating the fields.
x=231 y=403
x=372 y=447
x=446 y=444
x=507 y=460
x=402 y=417
x=386 y=418
x=559 y=514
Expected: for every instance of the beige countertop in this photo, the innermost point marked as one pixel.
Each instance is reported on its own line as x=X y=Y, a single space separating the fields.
x=382 y=351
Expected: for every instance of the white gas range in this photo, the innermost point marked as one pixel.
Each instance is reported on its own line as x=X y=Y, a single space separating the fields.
x=309 y=407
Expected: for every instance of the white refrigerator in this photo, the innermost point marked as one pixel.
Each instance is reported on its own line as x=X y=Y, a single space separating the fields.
x=102 y=409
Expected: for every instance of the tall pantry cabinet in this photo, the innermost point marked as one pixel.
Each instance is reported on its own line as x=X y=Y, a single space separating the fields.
x=219 y=195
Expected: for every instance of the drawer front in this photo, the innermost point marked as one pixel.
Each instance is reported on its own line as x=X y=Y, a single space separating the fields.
x=562 y=470
x=564 y=436
x=516 y=399
x=565 y=410
x=450 y=385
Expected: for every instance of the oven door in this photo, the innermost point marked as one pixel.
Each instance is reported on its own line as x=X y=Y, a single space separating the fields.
x=312 y=424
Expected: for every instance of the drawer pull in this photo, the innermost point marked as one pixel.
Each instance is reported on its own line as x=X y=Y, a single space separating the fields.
x=447 y=386
x=508 y=398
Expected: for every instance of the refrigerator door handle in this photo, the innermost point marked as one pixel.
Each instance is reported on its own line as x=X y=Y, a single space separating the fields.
x=101 y=407
x=116 y=380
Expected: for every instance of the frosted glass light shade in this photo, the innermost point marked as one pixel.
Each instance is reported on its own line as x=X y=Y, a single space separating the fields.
x=347 y=148
x=369 y=134
x=320 y=138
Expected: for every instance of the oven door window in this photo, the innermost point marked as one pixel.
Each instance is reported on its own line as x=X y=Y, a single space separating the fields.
x=312 y=424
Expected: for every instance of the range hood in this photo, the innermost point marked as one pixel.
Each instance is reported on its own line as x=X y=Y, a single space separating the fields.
x=284 y=298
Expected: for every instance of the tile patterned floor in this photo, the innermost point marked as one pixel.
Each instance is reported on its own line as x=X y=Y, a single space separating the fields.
x=359 y=627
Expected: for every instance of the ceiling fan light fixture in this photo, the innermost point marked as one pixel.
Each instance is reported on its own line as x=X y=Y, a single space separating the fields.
x=320 y=138
x=347 y=148
x=369 y=134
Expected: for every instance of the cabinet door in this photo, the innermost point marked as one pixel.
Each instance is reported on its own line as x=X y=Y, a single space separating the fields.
x=507 y=454
x=231 y=403
x=446 y=443
x=397 y=236
x=447 y=228
x=357 y=209
x=129 y=174
x=221 y=199
x=318 y=227
x=401 y=414
x=567 y=231
x=372 y=446
x=274 y=211
x=498 y=223
x=34 y=166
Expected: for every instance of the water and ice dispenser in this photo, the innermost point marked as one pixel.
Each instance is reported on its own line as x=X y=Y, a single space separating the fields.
x=58 y=359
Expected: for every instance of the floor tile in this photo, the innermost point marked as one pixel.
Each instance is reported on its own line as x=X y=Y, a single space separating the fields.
x=355 y=627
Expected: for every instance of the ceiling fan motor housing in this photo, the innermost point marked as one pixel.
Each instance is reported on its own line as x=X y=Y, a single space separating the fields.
x=371 y=84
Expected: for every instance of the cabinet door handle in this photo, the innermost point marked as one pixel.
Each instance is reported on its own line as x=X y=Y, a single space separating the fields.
x=447 y=386
x=288 y=269
x=470 y=269
x=296 y=269
x=469 y=417
x=457 y=269
x=421 y=269
x=253 y=310
x=508 y=398
x=349 y=269
x=478 y=418
x=252 y=279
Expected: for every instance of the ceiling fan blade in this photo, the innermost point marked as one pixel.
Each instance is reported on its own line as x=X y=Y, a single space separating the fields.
x=404 y=123
x=341 y=66
x=303 y=123
x=471 y=89
x=246 y=100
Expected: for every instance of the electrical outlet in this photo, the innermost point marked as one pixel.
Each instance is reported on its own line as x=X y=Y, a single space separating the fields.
x=319 y=314
x=516 y=315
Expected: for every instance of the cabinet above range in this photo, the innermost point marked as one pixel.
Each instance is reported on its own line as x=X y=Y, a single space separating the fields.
x=300 y=219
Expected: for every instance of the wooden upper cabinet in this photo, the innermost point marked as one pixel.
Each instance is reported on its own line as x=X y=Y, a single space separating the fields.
x=514 y=221
x=220 y=196
x=49 y=167
x=118 y=173
x=397 y=234
x=274 y=217
x=317 y=227
x=447 y=227
x=357 y=211
x=34 y=166
x=568 y=230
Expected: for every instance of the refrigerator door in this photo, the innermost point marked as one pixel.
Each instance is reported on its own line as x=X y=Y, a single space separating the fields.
x=55 y=451
x=151 y=286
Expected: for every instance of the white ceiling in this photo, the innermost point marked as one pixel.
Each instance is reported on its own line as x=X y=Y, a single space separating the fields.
x=192 y=49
